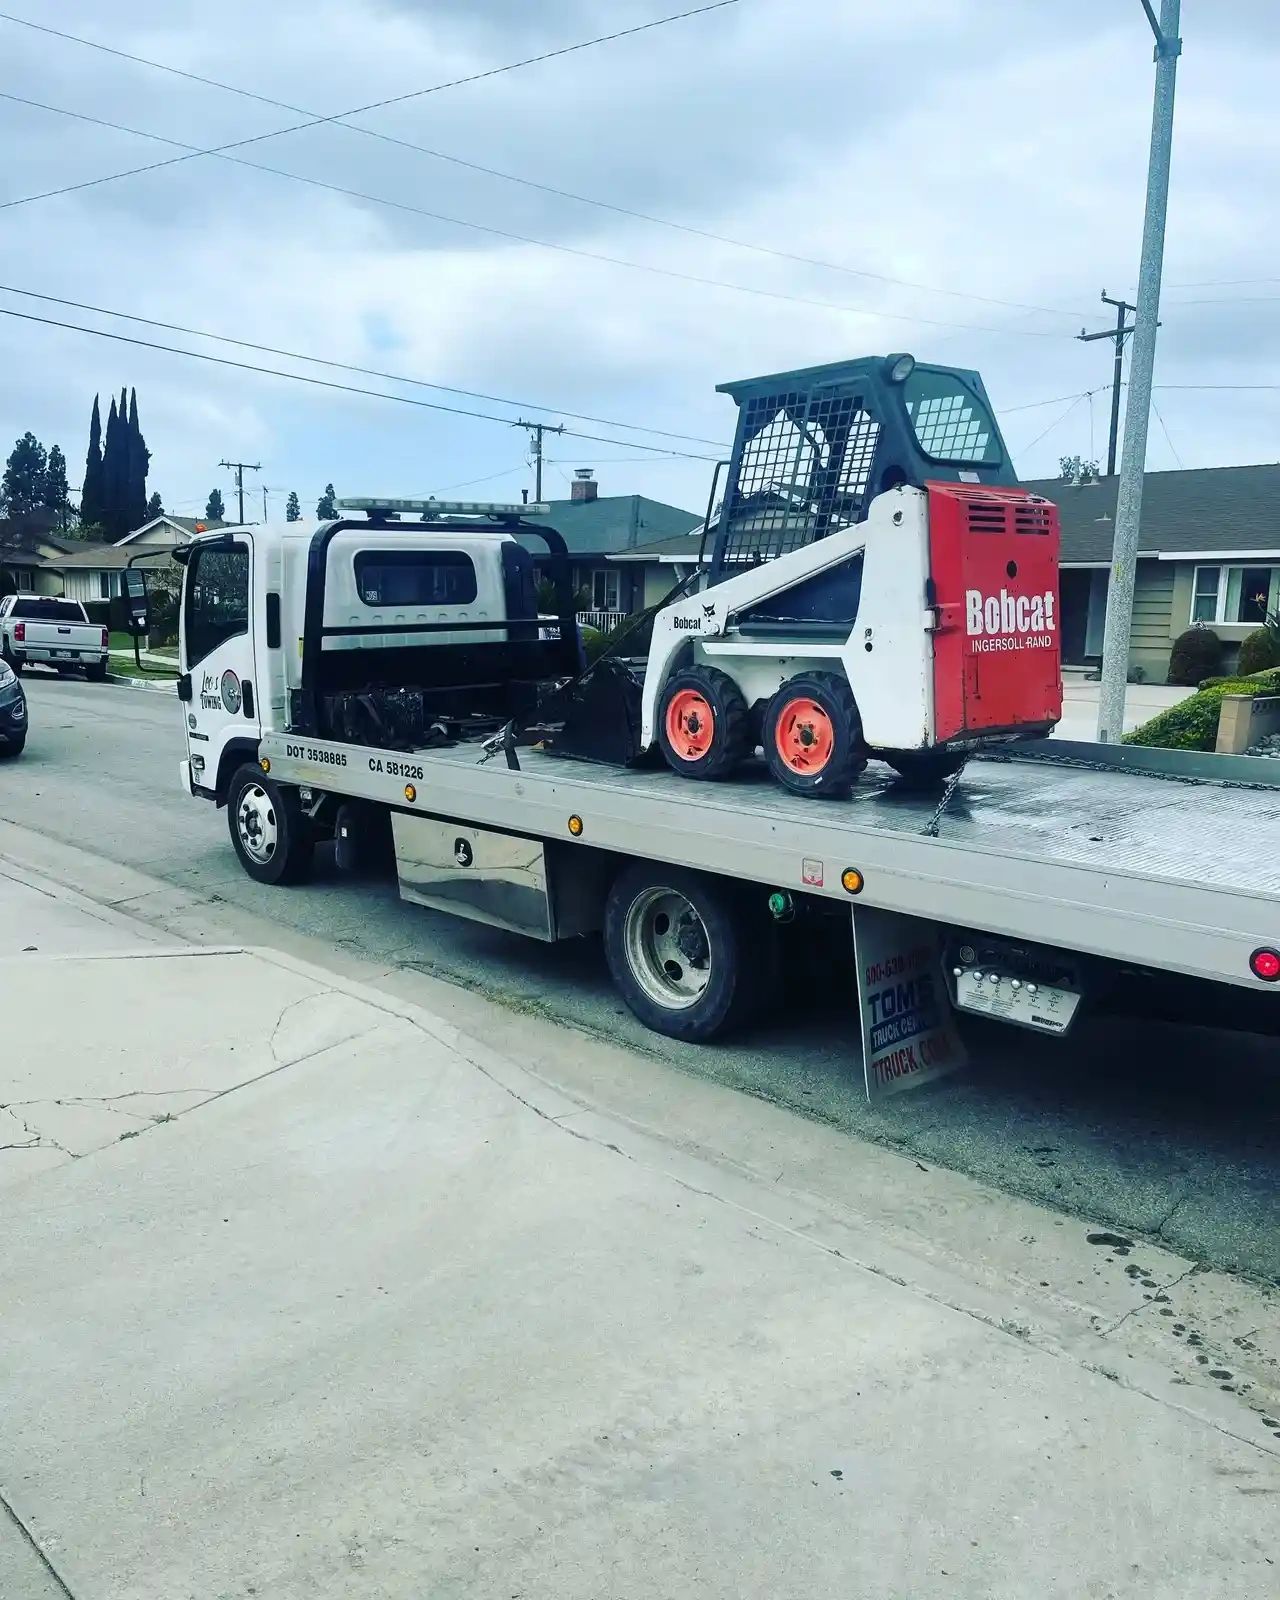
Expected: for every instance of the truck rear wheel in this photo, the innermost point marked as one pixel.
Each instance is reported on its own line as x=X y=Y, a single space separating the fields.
x=96 y=672
x=703 y=723
x=270 y=834
x=686 y=952
x=813 y=735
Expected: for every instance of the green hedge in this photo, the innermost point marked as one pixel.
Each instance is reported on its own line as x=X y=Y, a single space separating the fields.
x=1193 y=724
x=1260 y=650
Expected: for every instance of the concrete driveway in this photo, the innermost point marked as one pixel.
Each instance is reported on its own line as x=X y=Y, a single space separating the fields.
x=373 y=1310
x=1142 y=701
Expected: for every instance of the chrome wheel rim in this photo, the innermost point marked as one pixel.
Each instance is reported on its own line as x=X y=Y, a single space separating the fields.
x=667 y=948
x=256 y=823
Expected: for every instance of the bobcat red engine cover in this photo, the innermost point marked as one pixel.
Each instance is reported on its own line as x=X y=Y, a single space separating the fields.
x=997 y=661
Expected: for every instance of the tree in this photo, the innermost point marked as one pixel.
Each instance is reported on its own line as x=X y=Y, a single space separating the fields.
x=292 y=510
x=22 y=488
x=115 y=473
x=155 y=507
x=1078 y=470
x=214 y=510
x=57 y=494
x=93 y=505
x=139 y=460
x=326 y=510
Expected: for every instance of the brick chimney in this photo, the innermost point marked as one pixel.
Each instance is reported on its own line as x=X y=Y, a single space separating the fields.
x=584 y=486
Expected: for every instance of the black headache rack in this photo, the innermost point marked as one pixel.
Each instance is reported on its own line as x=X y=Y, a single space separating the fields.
x=410 y=696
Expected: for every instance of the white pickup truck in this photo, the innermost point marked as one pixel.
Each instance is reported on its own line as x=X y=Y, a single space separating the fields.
x=54 y=632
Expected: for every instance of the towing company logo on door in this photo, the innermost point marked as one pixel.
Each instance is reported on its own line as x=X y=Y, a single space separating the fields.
x=1007 y=621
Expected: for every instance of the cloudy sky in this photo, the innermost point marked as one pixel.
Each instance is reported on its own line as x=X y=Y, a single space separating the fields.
x=991 y=153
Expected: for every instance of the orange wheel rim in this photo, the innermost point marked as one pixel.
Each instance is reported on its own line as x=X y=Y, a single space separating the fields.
x=804 y=736
x=691 y=724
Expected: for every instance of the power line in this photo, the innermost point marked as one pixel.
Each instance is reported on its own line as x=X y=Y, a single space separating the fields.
x=482 y=227
x=338 y=119
x=346 y=366
x=325 y=383
x=1165 y=431
x=1022 y=449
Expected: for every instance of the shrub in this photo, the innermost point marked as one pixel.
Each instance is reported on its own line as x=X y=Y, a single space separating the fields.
x=1259 y=650
x=1193 y=724
x=1196 y=654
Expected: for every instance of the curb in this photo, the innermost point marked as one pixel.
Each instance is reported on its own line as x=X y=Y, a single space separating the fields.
x=154 y=686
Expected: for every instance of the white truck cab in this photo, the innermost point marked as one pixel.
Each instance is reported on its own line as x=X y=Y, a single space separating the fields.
x=313 y=627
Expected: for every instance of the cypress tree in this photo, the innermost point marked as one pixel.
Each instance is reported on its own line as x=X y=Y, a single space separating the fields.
x=92 y=493
x=139 y=461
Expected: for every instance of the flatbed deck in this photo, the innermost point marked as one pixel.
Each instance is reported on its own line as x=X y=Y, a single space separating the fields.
x=1118 y=864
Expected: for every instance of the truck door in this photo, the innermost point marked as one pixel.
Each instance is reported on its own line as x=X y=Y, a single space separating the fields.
x=993 y=561
x=217 y=654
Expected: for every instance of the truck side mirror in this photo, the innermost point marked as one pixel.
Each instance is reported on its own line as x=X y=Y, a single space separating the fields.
x=133 y=585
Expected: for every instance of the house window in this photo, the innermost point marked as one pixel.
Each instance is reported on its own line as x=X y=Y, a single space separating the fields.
x=1235 y=596
x=104 y=586
x=605 y=590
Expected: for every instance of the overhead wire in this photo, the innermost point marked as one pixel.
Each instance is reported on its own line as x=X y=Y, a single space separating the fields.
x=1167 y=439
x=339 y=119
x=488 y=228
x=347 y=366
x=326 y=383
x=1031 y=444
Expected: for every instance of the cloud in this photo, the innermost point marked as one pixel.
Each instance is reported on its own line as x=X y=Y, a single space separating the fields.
x=975 y=149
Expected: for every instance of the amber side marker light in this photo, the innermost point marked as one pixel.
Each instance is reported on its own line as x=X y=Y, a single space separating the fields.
x=1265 y=964
x=852 y=881
x=265 y=764
x=576 y=825
x=410 y=793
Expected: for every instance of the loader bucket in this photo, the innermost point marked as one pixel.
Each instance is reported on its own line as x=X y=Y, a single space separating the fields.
x=601 y=712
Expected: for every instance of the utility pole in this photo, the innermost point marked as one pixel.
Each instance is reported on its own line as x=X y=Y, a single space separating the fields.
x=537 y=429
x=240 y=468
x=1119 y=333
x=1137 y=415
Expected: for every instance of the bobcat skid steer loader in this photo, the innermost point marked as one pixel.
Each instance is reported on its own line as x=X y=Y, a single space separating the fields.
x=877 y=586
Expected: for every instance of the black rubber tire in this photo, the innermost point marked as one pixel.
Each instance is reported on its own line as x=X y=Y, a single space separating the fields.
x=924 y=769
x=731 y=741
x=742 y=943
x=13 y=747
x=290 y=861
x=15 y=662
x=848 y=757
x=96 y=672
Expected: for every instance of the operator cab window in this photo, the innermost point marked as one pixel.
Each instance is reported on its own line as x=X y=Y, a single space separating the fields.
x=217 y=602
x=399 y=578
x=950 y=422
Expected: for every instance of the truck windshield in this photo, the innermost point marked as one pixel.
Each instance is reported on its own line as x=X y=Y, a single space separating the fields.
x=48 y=610
x=950 y=421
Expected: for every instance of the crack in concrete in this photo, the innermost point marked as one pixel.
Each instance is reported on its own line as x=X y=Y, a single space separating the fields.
x=33 y=1544
x=1161 y=1288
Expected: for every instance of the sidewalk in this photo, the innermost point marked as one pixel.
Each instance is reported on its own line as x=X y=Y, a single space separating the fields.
x=316 y=1296
x=1142 y=701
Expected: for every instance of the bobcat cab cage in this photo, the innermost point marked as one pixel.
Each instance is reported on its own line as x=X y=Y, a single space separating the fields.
x=813 y=448
x=394 y=694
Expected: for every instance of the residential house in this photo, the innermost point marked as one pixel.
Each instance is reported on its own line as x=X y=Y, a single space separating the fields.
x=89 y=571
x=25 y=544
x=1208 y=552
x=598 y=528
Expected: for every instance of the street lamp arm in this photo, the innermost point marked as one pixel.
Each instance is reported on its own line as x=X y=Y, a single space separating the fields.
x=1165 y=44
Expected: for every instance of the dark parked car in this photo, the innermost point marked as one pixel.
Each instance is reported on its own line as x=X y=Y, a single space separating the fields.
x=13 y=712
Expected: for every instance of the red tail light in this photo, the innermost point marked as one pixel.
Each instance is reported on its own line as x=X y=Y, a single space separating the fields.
x=20 y=632
x=106 y=638
x=1265 y=964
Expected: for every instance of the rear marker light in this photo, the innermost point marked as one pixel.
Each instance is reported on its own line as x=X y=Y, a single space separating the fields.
x=851 y=880
x=410 y=793
x=1265 y=964
x=576 y=825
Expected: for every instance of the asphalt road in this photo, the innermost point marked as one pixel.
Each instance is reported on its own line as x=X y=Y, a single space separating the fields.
x=1168 y=1132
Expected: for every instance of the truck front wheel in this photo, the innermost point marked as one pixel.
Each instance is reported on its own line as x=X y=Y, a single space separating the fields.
x=690 y=956
x=270 y=834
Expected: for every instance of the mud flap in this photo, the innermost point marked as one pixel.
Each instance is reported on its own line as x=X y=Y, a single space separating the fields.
x=909 y=1033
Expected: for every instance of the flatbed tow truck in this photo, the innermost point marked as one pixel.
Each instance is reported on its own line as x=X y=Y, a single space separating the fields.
x=377 y=680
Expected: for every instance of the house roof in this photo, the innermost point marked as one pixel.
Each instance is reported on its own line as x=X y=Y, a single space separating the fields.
x=1200 y=511
x=611 y=523
x=188 y=525
x=105 y=557
x=682 y=548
